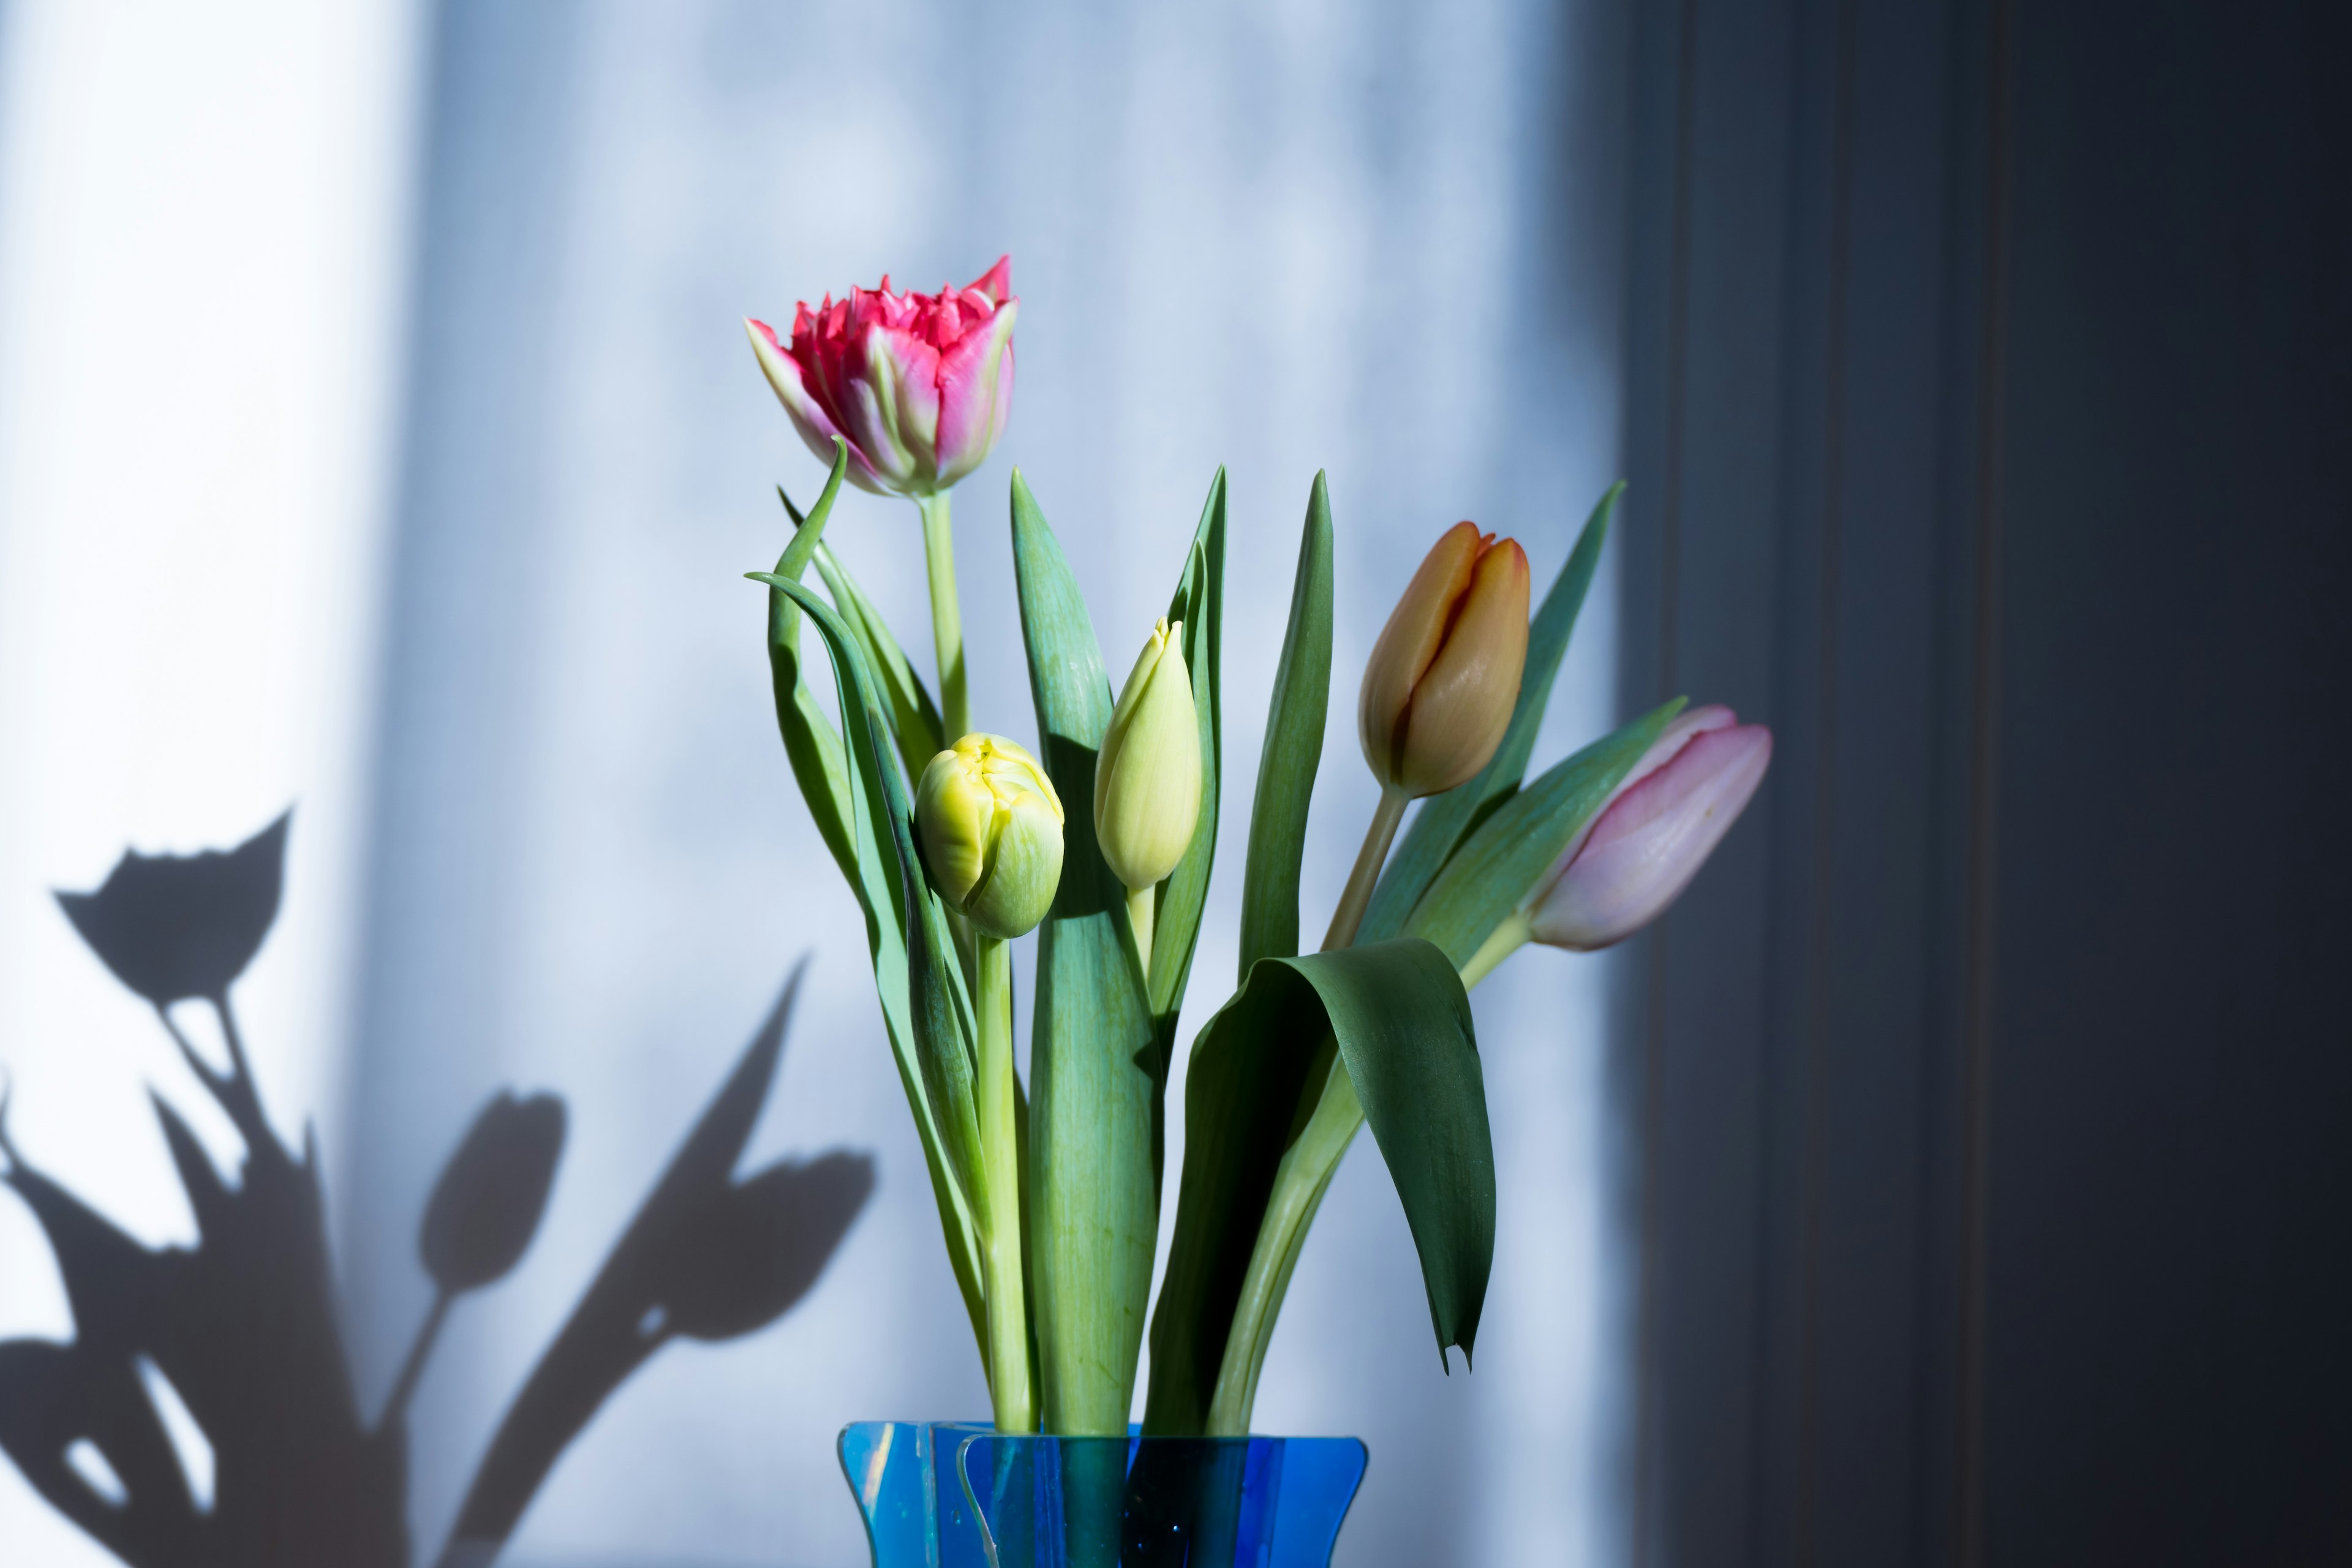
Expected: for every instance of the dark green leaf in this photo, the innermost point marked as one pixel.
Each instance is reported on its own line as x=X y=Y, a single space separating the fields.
x=1489 y=875
x=1094 y=1098
x=1200 y=603
x=1403 y=1030
x=1444 y=821
x=1293 y=747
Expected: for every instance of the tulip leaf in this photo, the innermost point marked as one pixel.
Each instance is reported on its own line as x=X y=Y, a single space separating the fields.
x=1402 y=1026
x=1490 y=874
x=1292 y=749
x=1446 y=821
x=811 y=743
x=1094 y=1095
x=1200 y=603
x=926 y=1009
x=914 y=719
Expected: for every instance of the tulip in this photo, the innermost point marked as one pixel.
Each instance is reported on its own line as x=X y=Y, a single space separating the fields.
x=1147 y=776
x=1645 y=843
x=1443 y=678
x=918 y=384
x=916 y=388
x=1438 y=690
x=992 y=831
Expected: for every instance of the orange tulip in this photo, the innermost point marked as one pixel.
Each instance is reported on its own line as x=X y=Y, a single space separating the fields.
x=1443 y=679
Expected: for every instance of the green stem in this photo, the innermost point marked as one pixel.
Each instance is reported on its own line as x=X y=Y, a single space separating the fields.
x=1009 y=1383
x=1300 y=1184
x=1141 y=906
x=1506 y=940
x=1367 y=874
x=947 y=621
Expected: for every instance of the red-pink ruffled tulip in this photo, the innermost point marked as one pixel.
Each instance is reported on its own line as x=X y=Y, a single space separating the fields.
x=1644 y=847
x=918 y=384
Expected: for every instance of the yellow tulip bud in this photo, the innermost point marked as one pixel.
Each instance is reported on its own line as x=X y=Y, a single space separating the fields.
x=991 y=832
x=1443 y=679
x=1147 y=776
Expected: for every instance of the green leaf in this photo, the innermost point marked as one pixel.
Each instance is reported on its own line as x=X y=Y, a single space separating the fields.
x=1292 y=750
x=1490 y=874
x=926 y=1009
x=811 y=744
x=914 y=719
x=1094 y=1098
x=1200 y=603
x=1403 y=1031
x=1444 y=821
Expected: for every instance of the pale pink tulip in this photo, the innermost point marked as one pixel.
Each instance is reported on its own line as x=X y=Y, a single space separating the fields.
x=918 y=384
x=1646 y=844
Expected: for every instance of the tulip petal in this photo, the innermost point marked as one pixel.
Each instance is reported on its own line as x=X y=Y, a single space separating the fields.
x=816 y=426
x=1459 y=708
x=1685 y=725
x=1415 y=630
x=975 y=393
x=996 y=282
x=1646 y=847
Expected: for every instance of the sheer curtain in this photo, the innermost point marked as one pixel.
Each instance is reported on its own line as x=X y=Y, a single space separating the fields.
x=1378 y=240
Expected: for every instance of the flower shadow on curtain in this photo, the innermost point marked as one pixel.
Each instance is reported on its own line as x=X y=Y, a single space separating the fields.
x=237 y=1335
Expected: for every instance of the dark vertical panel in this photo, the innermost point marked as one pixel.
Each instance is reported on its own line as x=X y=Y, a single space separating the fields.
x=1796 y=416
x=1694 y=554
x=2171 y=1157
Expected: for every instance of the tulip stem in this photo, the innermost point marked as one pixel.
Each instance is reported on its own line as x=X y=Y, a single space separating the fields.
x=946 y=620
x=1506 y=940
x=1367 y=874
x=1009 y=1384
x=1300 y=1184
x=1142 y=904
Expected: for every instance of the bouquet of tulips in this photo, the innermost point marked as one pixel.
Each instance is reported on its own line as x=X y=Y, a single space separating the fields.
x=958 y=842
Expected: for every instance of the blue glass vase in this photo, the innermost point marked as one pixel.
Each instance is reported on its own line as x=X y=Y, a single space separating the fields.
x=946 y=1494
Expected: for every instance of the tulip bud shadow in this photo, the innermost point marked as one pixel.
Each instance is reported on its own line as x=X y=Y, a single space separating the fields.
x=706 y=1258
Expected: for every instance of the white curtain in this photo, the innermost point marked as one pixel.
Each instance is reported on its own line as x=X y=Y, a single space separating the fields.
x=203 y=227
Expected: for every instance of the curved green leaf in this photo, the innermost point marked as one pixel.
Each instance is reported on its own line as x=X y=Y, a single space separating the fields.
x=1094 y=1096
x=1444 y=821
x=1489 y=875
x=1402 y=1028
x=1292 y=750
x=811 y=744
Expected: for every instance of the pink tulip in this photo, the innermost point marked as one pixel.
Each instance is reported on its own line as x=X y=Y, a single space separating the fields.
x=1657 y=829
x=918 y=384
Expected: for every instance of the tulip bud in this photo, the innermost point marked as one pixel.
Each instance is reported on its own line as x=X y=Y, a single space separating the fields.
x=918 y=384
x=1147 y=776
x=992 y=831
x=1443 y=679
x=1657 y=829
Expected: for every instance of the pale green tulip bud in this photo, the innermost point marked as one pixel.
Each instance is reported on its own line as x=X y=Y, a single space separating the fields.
x=991 y=832
x=1148 y=776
